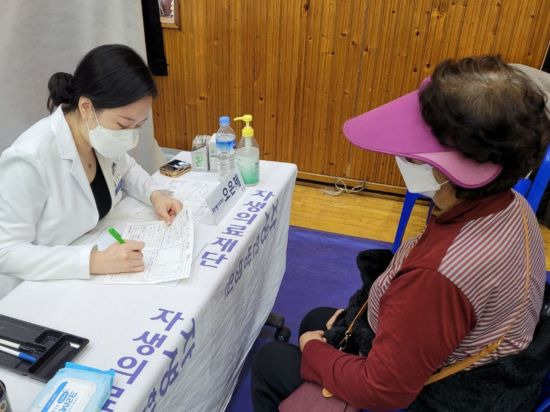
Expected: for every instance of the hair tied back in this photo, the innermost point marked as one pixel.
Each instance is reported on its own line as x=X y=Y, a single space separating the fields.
x=60 y=87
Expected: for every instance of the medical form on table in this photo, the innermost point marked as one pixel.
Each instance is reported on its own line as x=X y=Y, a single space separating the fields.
x=167 y=254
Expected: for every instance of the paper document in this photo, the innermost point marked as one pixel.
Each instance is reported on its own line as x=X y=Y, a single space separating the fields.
x=191 y=192
x=167 y=254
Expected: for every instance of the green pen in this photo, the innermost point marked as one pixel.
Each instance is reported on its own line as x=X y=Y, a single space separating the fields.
x=116 y=235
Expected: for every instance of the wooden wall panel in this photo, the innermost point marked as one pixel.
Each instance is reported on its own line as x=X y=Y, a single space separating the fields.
x=393 y=65
x=302 y=67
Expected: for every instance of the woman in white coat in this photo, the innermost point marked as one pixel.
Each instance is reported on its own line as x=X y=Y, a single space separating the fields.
x=66 y=172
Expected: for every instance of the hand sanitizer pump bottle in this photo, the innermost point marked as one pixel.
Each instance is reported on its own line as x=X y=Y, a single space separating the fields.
x=248 y=153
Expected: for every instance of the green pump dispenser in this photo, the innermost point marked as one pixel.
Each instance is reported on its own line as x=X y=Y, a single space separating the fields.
x=248 y=153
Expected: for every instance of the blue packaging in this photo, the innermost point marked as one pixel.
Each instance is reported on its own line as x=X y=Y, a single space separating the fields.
x=75 y=388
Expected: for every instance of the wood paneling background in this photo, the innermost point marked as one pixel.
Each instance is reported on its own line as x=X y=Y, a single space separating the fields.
x=303 y=67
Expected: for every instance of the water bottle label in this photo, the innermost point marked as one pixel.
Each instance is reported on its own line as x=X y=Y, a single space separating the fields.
x=225 y=147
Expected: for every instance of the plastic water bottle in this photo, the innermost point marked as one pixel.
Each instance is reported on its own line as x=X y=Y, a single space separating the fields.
x=225 y=146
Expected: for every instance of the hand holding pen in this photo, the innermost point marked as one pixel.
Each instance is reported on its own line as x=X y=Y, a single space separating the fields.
x=121 y=257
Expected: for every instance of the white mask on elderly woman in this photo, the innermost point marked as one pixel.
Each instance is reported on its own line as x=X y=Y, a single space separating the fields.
x=419 y=178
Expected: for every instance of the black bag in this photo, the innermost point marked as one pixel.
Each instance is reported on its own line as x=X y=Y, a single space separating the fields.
x=371 y=263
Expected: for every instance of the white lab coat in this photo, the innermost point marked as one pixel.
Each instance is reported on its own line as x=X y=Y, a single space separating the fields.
x=46 y=203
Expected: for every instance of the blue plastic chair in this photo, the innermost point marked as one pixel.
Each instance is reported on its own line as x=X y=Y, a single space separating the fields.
x=532 y=190
x=542 y=407
x=408 y=204
x=545 y=395
x=538 y=186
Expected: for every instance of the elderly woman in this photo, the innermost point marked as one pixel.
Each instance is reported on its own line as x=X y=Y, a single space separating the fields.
x=469 y=290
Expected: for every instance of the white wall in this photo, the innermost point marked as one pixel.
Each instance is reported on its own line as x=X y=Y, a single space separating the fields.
x=41 y=37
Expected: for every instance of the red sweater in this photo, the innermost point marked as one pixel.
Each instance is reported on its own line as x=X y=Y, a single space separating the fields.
x=422 y=318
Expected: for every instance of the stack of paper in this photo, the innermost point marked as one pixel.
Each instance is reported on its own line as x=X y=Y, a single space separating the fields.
x=167 y=254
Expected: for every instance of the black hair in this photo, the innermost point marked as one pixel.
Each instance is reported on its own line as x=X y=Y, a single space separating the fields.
x=489 y=112
x=111 y=75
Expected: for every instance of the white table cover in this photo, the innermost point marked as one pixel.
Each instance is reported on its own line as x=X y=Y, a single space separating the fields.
x=175 y=348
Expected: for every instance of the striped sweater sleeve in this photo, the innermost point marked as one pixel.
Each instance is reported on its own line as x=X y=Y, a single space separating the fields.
x=423 y=318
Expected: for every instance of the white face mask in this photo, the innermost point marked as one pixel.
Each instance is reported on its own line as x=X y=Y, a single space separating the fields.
x=111 y=143
x=418 y=178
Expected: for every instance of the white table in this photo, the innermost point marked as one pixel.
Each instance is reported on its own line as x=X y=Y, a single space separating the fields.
x=204 y=326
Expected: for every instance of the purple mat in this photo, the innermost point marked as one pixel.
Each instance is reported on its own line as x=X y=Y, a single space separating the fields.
x=320 y=271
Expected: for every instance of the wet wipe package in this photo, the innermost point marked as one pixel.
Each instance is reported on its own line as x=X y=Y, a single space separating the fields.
x=75 y=388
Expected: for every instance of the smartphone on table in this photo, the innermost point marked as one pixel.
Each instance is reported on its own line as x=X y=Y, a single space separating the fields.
x=175 y=168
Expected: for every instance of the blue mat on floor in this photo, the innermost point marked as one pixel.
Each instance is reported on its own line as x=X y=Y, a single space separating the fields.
x=320 y=271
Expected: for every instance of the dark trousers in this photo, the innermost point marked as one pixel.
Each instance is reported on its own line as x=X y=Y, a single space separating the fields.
x=276 y=365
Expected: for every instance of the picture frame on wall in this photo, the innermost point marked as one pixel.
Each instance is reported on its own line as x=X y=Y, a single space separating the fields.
x=169 y=13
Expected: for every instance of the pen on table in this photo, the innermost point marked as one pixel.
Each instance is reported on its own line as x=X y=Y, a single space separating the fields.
x=116 y=235
x=15 y=345
x=20 y=355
